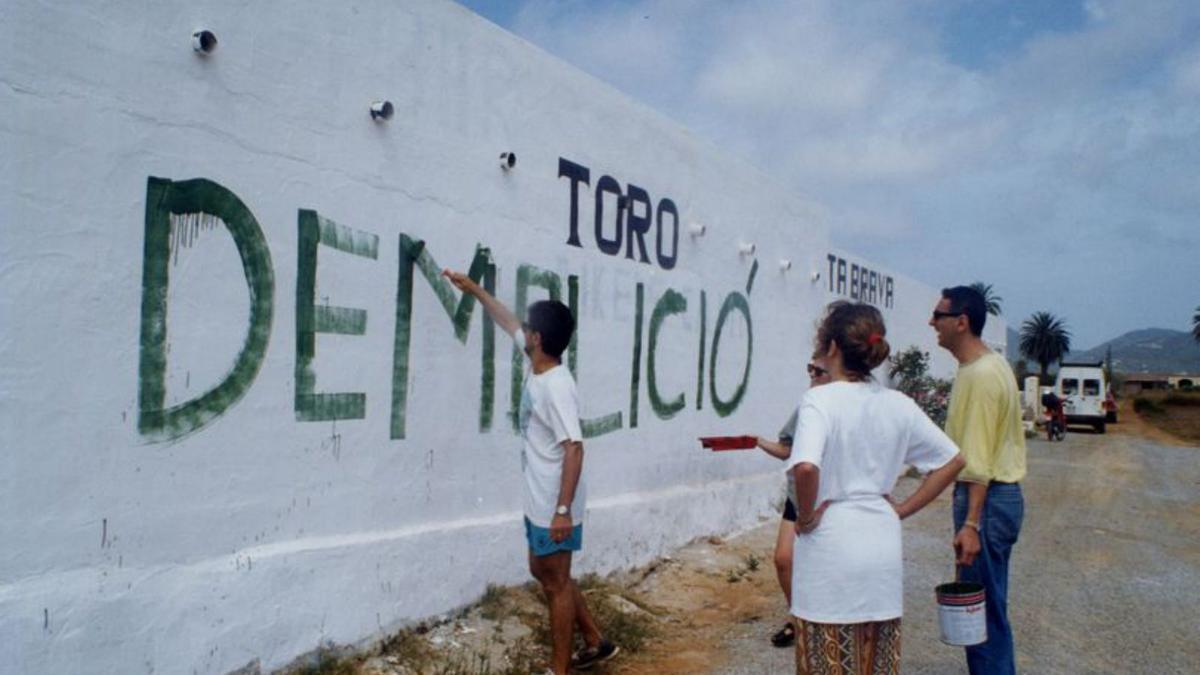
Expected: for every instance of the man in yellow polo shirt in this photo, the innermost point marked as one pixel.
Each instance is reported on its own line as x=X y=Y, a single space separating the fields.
x=985 y=421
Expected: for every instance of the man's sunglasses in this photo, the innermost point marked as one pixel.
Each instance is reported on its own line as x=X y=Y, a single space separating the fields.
x=815 y=371
x=945 y=315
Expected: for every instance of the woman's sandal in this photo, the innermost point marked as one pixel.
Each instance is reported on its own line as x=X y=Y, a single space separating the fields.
x=786 y=636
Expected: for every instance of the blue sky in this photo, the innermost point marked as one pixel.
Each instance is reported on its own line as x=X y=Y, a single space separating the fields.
x=1049 y=148
x=981 y=34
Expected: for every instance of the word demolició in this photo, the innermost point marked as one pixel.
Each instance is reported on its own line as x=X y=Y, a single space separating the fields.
x=166 y=199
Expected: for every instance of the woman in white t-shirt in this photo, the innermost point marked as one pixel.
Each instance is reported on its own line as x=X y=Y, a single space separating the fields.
x=781 y=449
x=853 y=438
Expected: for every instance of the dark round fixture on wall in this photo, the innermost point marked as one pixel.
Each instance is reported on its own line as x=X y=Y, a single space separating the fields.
x=203 y=41
x=382 y=110
x=508 y=160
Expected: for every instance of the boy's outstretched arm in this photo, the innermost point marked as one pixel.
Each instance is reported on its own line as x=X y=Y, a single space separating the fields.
x=500 y=314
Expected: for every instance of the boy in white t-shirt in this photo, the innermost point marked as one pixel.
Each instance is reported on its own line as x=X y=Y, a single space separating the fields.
x=552 y=464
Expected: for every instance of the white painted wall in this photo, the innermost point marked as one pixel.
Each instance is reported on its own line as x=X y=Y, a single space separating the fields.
x=259 y=536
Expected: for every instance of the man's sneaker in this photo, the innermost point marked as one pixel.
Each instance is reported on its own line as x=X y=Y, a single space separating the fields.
x=590 y=656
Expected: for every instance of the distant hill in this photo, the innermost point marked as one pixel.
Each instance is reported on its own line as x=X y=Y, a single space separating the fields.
x=1151 y=350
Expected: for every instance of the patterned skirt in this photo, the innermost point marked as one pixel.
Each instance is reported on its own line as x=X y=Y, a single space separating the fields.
x=871 y=648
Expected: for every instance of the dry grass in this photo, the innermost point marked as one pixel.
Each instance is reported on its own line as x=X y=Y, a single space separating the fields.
x=510 y=629
x=410 y=648
x=624 y=616
x=1174 y=412
x=326 y=660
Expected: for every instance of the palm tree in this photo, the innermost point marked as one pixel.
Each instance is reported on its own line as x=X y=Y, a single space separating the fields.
x=1196 y=325
x=1045 y=339
x=990 y=299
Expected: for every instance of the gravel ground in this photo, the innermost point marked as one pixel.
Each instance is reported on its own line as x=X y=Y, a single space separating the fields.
x=1104 y=579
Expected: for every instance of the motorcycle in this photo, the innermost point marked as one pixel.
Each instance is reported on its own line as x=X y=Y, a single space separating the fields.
x=1056 y=417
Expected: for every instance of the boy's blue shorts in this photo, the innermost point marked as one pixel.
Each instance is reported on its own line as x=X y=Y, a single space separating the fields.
x=540 y=543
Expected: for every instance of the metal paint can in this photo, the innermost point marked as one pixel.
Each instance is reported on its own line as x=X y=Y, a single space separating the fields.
x=962 y=615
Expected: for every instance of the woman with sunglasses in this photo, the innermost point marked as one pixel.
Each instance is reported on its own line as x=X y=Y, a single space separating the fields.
x=784 y=541
x=853 y=438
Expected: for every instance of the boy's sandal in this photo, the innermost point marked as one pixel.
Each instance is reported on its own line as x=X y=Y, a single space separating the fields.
x=786 y=636
x=591 y=656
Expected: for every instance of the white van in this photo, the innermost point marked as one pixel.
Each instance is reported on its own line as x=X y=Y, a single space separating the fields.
x=1082 y=387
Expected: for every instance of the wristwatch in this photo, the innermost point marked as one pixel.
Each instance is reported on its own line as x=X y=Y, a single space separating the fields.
x=562 y=510
x=971 y=524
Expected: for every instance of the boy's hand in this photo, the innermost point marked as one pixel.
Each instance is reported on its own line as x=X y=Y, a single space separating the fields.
x=560 y=528
x=502 y=315
x=461 y=281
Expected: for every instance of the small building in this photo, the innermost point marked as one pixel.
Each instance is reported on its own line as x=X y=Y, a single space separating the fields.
x=1136 y=383
x=1183 y=381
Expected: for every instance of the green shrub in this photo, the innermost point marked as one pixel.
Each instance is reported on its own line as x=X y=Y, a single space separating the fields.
x=909 y=370
x=1145 y=406
x=1185 y=398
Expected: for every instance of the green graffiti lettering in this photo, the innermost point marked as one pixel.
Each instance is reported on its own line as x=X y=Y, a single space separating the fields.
x=573 y=305
x=528 y=275
x=345 y=239
x=313 y=230
x=165 y=198
x=604 y=424
x=635 y=376
x=670 y=303
x=733 y=301
x=750 y=279
x=341 y=320
x=595 y=426
x=413 y=256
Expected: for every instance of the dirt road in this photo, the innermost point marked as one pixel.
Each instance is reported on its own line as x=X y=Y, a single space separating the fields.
x=1105 y=577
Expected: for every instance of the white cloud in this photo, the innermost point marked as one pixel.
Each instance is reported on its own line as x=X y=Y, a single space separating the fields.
x=1184 y=72
x=1096 y=11
x=1089 y=137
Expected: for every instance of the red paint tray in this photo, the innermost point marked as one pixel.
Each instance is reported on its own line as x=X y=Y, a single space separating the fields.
x=718 y=443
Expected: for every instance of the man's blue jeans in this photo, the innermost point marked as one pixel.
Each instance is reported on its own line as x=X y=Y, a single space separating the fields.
x=998 y=530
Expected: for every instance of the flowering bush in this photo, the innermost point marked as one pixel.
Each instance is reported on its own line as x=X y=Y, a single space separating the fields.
x=909 y=370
